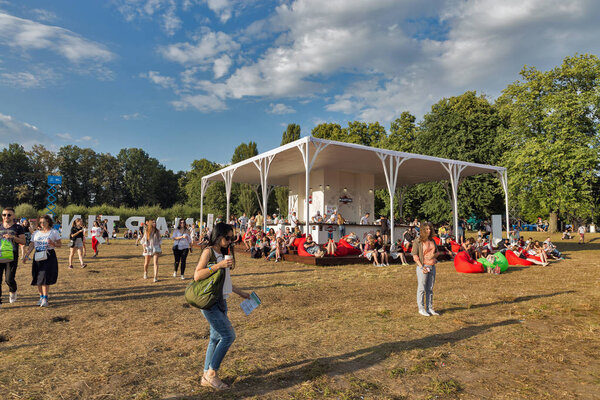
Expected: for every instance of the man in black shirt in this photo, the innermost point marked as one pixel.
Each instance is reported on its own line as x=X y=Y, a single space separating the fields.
x=15 y=234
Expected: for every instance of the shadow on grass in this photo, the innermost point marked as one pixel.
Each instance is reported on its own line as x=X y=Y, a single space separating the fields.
x=274 y=272
x=289 y=374
x=516 y=300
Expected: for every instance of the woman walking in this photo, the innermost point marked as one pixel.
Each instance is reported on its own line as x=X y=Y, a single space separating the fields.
x=181 y=246
x=45 y=265
x=76 y=243
x=12 y=235
x=151 y=243
x=425 y=254
x=96 y=234
x=218 y=255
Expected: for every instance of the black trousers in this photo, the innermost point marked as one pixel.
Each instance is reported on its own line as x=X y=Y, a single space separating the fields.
x=11 y=271
x=180 y=256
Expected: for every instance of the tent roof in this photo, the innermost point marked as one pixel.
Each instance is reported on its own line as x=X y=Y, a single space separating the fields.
x=288 y=160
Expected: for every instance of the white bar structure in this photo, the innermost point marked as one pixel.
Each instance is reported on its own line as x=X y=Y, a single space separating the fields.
x=503 y=175
x=391 y=176
x=294 y=162
x=263 y=166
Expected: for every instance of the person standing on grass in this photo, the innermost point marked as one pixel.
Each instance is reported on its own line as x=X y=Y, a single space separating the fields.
x=105 y=235
x=76 y=243
x=45 y=264
x=425 y=254
x=96 y=233
x=581 y=232
x=181 y=246
x=15 y=235
x=151 y=243
x=222 y=334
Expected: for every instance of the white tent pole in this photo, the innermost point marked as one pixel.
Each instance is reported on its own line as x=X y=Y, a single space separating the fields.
x=204 y=184
x=454 y=171
x=308 y=164
x=263 y=166
x=228 y=178
x=503 y=175
x=391 y=178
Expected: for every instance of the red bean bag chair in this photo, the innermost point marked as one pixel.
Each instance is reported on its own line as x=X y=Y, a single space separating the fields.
x=455 y=246
x=298 y=240
x=514 y=259
x=408 y=249
x=301 y=250
x=437 y=240
x=350 y=251
x=465 y=264
x=340 y=251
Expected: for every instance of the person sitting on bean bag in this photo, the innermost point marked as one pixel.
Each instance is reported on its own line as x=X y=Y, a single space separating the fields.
x=312 y=247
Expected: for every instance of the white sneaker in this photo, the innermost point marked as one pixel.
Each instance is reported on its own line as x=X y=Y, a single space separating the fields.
x=431 y=311
x=44 y=303
x=145 y=275
x=182 y=278
x=39 y=301
x=424 y=313
x=175 y=274
x=12 y=297
x=155 y=280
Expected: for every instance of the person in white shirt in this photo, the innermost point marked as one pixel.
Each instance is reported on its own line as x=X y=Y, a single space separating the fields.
x=581 y=232
x=96 y=235
x=365 y=219
x=181 y=246
x=151 y=243
x=293 y=221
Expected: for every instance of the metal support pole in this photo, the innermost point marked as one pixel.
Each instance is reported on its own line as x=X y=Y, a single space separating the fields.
x=308 y=164
x=203 y=186
x=263 y=166
x=454 y=170
x=503 y=175
x=228 y=178
x=391 y=178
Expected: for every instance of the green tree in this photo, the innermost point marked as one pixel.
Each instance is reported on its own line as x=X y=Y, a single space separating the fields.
x=43 y=163
x=291 y=133
x=193 y=179
x=239 y=205
x=552 y=138
x=244 y=151
x=15 y=173
x=368 y=134
x=403 y=134
x=328 y=131
x=141 y=177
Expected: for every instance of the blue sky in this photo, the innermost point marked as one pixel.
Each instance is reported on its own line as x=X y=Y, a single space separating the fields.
x=187 y=79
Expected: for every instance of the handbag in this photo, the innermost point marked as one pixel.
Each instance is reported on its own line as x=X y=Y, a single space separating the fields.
x=204 y=293
x=41 y=255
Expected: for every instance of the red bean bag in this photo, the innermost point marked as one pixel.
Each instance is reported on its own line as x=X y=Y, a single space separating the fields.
x=341 y=251
x=350 y=251
x=298 y=240
x=301 y=250
x=514 y=259
x=455 y=246
x=437 y=240
x=408 y=249
x=465 y=264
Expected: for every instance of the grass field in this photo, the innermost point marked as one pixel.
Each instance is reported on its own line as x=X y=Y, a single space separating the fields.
x=348 y=332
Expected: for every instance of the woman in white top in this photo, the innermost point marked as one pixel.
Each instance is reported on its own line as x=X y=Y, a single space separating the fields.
x=45 y=265
x=181 y=246
x=222 y=334
x=151 y=243
x=96 y=235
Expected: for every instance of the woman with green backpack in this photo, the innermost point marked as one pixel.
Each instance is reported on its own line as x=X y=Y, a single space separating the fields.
x=218 y=255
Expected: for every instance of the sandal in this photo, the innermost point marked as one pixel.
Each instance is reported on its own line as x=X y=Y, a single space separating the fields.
x=212 y=383
x=84 y=265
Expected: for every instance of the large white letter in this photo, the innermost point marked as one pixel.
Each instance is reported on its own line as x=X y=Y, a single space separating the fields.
x=90 y=225
x=110 y=224
x=161 y=225
x=66 y=225
x=129 y=223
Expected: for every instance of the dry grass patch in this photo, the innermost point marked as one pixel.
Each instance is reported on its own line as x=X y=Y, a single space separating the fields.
x=348 y=332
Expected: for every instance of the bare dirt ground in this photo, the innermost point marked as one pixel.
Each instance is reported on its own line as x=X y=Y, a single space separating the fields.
x=348 y=332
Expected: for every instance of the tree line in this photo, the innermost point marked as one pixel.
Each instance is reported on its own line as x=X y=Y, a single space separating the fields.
x=543 y=128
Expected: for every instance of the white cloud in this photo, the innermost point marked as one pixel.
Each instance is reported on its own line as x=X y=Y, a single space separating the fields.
x=29 y=35
x=64 y=136
x=38 y=77
x=164 y=10
x=203 y=103
x=171 y=23
x=157 y=78
x=133 y=116
x=44 y=15
x=280 y=109
x=207 y=46
x=23 y=133
x=221 y=66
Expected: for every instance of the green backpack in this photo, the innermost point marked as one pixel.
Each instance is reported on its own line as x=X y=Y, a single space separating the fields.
x=204 y=293
x=7 y=254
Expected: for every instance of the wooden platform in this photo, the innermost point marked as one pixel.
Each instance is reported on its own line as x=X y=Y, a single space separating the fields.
x=324 y=261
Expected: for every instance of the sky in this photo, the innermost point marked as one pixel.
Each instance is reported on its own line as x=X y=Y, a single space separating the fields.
x=192 y=79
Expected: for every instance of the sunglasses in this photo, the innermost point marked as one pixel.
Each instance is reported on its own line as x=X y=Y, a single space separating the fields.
x=7 y=215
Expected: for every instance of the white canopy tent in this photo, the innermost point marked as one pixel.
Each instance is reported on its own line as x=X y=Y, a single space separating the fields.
x=391 y=169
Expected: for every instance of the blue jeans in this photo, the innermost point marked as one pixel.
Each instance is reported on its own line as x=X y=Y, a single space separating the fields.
x=222 y=336
x=425 y=288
